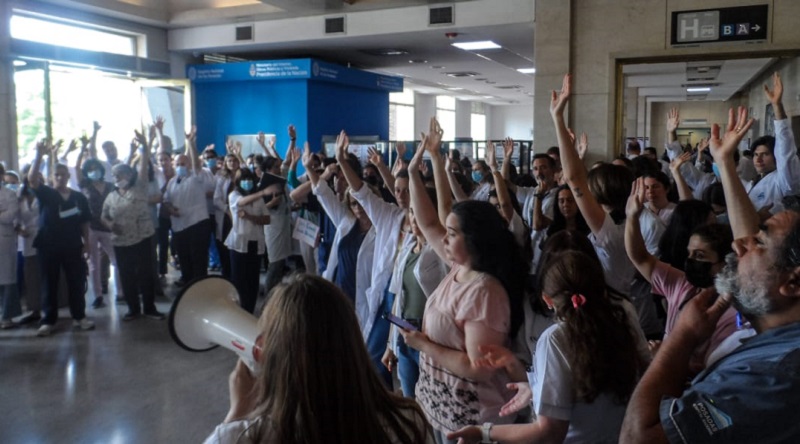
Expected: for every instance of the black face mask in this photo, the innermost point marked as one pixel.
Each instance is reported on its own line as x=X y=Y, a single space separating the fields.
x=372 y=180
x=698 y=273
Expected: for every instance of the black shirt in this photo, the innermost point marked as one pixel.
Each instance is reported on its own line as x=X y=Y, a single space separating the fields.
x=60 y=220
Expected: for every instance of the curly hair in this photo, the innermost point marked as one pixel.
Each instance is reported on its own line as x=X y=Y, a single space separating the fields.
x=493 y=250
x=601 y=346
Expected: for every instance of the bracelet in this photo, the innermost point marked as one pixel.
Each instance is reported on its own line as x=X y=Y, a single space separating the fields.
x=293 y=139
x=486 y=430
x=539 y=195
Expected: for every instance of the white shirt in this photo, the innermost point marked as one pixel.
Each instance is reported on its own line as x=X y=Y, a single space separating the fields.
x=244 y=231
x=785 y=180
x=482 y=192
x=344 y=220
x=188 y=195
x=652 y=228
x=610 y=247
x=29 y=221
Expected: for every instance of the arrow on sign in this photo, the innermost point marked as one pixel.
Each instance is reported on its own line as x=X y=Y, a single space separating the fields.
x=755 y=28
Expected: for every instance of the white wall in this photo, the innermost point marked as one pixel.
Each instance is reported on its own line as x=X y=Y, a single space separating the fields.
x=515 y=121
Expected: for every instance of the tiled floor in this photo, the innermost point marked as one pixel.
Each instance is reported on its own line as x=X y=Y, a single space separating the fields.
x=124 y=382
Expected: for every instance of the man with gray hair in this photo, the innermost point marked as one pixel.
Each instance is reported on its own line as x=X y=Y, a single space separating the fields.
x=750 y=395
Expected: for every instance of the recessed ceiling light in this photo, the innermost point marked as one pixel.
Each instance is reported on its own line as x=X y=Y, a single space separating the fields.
x=527 y=70
x=488 y=97
x=437 y=67
x=477 y=46
x=698 y=89
x=455 y=89
x=19 y=63
x=417 y=61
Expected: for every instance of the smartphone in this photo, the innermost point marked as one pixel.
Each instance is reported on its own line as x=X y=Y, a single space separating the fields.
x=400 y=322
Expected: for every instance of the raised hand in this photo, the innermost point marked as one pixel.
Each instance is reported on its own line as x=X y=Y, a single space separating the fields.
x=261 y=139
x=583 y=145
x=84 y=141
x=435 y=134
x=676 y=163
x=294 y=155
x=96 y=126
x=775 y=94
x=42 y=148
x=374 y=157
x=401 y=150
x=342 y=142
x=139 y=138
x=635 y=204
x=491 y=156
x=159 y=124
x=416 y=161
x=722 y=147
x=307 y=158
x=559 y=99
x=292 y=132
x=673 y=120
x=703 y=145
x=191 y=136
x=508 y=148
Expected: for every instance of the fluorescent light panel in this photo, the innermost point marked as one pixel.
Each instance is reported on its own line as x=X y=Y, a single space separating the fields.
x=527 y=70
x=477 y=46
x=698 y=89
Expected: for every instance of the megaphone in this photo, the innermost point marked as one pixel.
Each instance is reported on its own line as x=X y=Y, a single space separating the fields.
x=206 y=314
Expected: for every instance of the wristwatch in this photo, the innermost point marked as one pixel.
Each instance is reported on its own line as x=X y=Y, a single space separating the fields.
x=486 y=429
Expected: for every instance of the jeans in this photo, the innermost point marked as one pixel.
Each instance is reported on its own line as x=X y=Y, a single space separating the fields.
x=11 y=305
x=407 y=367
x=51 y=261
x=378 y=336
x=192 y=247
x=245 y=274
x=275 y=272
x=164 y=225
x=135 y=263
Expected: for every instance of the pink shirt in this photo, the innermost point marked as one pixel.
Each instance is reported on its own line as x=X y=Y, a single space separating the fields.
x=449 y=401
x=672 y=284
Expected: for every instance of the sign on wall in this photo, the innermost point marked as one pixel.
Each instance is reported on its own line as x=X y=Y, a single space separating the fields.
x=739 y=24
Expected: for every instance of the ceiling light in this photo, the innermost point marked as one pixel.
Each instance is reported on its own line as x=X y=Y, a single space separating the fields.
x=19 y=63
x=417 y=61
x=437 y=67
x=456 y=89
x=477 y=46
x=527 y=70
x=698 y=89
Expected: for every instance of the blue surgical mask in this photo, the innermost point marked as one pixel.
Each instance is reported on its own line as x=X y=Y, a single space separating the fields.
x=477 y=176
x=94 y=175
x=715 y=169
x=12 y=186
x=181 y=171
x=252 y=167
x=246 y=185
x=211 y=163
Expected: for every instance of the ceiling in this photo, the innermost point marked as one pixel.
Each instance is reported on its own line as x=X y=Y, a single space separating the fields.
x=427 y=55
x=668 y=82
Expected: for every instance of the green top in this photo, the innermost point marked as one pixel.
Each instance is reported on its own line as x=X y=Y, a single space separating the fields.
x=414 y=298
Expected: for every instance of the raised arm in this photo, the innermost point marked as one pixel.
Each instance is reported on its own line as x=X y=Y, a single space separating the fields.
x=93 y=140
x=421 y=204
x=443 y=196
x=455 y=187
x=505 y=170
x=376 y=159
x=634 y=243
x=342 y=142
x=684 y=192
x=786 y=160
x=144 y=159
x=573 y=169
x=191 y=148
x=503 y=198
x=33 y=173
x=742 y=215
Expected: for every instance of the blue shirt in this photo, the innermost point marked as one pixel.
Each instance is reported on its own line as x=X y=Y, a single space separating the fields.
x=749 y=396
x=348 y=258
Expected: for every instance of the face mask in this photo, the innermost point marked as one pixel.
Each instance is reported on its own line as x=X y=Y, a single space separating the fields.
x=94 y=175
x=698 y=273
x=372 y=180
x=121 y=184
x=181 y=171
x=715 y=169
x=211 y=163
x=477 y=176
x=12 y=186
x=252 y=167
x=246 y=185
x=723 y=219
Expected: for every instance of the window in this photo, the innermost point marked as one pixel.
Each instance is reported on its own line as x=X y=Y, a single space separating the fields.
x=401 y=115
x=478 y=122
x=55 y=33
x=446 y=115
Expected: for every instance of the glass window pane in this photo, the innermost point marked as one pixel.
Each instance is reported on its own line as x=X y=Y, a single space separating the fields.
x=446 y=102
x=406 y=97
x=478 y=127
x=447 y=120
x=71 y=36
x=30 y=112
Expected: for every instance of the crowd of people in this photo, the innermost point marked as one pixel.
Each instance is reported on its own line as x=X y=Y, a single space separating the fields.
x=639 y=300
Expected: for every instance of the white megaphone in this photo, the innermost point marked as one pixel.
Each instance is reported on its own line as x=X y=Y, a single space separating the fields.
x=207 y=314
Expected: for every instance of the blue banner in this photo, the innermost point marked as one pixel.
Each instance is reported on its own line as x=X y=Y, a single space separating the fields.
x=292 y=69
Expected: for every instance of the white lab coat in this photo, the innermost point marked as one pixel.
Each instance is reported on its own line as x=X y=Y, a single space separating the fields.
x=9 y=214
x=344 y=220
x=785 y=180
x=387 y=219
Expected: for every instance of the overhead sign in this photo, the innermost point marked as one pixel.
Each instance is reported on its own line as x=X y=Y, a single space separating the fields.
x=292 y=69
x=743 y=23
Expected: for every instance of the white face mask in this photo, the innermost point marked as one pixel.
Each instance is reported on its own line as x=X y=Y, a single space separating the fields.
x=121 y=183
